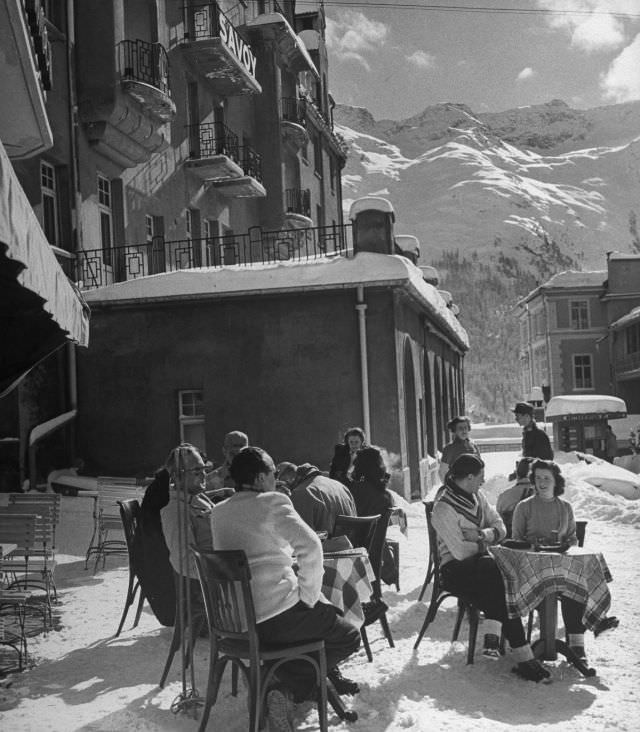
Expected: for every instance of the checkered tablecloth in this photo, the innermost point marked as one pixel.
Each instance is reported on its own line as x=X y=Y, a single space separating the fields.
x=347 y=582
x=530 y=576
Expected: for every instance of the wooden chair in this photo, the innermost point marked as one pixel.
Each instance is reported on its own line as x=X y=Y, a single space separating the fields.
x=439 y=594
x=370 y=532
x=225 y=579
x=35 y=501
x=129 y=512
x=32 y=564
x=107 y=521
x=429 y=574
x=13 y=613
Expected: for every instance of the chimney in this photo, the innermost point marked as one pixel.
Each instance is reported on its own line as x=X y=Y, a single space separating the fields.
x=373 y=220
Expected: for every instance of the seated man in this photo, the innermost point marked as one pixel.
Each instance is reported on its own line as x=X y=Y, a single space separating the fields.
x=186 y=470
x=288 y=605
x=319 y=499
x=466 y=524
x=510 y=497
x=220 y=478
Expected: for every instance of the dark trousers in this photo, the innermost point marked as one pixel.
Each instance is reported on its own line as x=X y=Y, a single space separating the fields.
x=302 y=623
x=572 y=612
x=479 y=580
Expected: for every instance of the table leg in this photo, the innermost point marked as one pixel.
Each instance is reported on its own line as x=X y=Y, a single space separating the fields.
x=548 y=646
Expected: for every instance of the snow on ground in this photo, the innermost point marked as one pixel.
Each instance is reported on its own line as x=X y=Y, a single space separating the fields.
x=85 y=679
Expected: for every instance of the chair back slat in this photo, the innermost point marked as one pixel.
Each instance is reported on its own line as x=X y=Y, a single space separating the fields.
x=35 y=501
x=225 y=581
x=358 y=529
x=129 y=515
x=114 y=489
x=19 y=529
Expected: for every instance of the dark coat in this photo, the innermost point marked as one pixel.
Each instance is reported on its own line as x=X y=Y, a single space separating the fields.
x=535 y=443
x=152 y=556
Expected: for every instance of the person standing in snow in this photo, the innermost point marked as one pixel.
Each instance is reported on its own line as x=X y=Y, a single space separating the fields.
x=535 y=442
x=466 y=525
x=611 y=444
x=460 y=443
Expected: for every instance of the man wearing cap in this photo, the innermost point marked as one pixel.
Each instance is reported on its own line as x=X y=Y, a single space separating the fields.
x=318 y=499
x=535 y=442
x=466 y=525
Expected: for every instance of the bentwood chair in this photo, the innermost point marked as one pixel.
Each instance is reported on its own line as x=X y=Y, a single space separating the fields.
x=439 y=594
x=129 y=514
x=429 y=574
x=370 y=532
x=225 y=580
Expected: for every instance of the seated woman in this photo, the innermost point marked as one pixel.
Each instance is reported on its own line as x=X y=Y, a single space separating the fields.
x=460 y=444
x=545 y=518
x=371 y=496
x=344 y=455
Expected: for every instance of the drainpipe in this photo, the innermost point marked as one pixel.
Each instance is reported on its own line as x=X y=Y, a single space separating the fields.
x=361 y=307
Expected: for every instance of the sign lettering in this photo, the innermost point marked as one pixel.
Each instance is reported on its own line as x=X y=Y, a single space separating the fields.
x=237 y=46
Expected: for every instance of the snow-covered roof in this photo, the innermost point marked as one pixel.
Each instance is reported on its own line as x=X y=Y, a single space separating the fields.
x=562 y=406
x=366 y=269
x=407 y=243
x=633 y=316
x=569 y=280
x=622 y=255
x=369 y=203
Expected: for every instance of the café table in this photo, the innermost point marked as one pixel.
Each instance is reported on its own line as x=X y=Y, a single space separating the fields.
x=346 y=583
x=535 y=579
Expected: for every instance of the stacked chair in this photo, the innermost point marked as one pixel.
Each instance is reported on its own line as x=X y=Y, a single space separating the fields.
x=107 y=520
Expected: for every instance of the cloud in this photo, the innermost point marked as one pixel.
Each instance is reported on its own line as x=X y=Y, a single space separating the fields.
x=621 y=83
x=422 y=59
x=526 y=73
x=353 y=35
x=593 y=25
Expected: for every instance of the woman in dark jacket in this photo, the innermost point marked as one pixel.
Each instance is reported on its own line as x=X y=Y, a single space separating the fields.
x=344 y=455
x=371 y=495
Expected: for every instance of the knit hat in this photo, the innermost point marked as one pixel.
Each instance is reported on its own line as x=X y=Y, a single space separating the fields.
x=466 y=464
x=523 y=408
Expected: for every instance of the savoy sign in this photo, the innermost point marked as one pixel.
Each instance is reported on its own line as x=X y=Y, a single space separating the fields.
x=238 y=47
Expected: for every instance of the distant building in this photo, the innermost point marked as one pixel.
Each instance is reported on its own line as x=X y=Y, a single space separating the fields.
x=292 y=353
x=580 y=332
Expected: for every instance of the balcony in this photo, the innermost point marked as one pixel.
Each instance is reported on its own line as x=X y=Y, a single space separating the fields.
x=270 y=23
x=99 y=268
x=297 y=208
x=144 y=75
x=218 y=51
x=125 y=122
x=218 y=159
x=293 y=120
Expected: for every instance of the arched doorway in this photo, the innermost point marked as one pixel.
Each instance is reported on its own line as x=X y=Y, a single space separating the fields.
x=430 y=438
x=437 y=379
x=411 y=422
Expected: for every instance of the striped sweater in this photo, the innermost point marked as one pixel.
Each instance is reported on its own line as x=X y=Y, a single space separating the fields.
x=456 y=510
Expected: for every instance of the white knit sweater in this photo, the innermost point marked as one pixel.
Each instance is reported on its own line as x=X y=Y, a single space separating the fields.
x=268 y=529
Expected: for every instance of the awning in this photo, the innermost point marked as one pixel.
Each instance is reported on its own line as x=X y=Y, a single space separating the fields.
x=40 y=309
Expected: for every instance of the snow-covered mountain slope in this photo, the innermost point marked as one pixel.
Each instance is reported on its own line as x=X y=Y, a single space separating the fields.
x=503 y=182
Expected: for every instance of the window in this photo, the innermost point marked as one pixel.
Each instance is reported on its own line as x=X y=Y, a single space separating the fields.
x=317 y=154
x=632 y=336
x=188 y=222
x=148 y=228
x=191 y=417
x=582 y=371
x=332 y=173
x=106 y=219
x=579 y=313
x=49 y=191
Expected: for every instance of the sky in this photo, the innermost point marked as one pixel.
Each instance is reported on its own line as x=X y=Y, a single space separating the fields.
x=396 y=60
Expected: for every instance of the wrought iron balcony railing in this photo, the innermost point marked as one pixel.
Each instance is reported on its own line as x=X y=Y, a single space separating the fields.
x=215 y=138
x=293 y=110
x=144 y=62
x=99 y=267
x=298 y=201
x=202 y=20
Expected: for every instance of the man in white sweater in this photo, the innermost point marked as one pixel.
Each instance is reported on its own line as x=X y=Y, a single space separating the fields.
x=289 y=607
x=466 y=524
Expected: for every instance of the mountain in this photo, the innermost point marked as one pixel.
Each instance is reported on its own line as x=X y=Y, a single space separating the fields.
x=522 y=193
x=506 y=180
